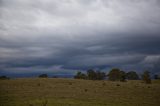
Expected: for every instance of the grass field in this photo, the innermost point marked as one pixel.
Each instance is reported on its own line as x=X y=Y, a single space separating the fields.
x=71 y=92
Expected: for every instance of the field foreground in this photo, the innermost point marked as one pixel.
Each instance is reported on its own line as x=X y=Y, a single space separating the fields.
x=71 y=92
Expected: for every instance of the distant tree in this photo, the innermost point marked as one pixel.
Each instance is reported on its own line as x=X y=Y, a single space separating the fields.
x=146 y=77
x=91 y=74
x=156 y=76
x=3 y=77
x=100 y=75
x=80 y=75
x=122 y=76
x=83 y=76
x=117 y=75
x=114 y=74
x=132 y=75
x=55 y=77
x=43 y=76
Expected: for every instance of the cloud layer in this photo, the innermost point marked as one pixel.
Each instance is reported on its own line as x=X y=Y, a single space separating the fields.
x=62 y=36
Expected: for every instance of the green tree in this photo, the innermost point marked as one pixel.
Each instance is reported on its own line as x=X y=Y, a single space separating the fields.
x=156 y=76
x=114 y=74
x=95 y=75
x=91 y=74
x=132 y=75
x=80 y=75
x=3 y=77
x=117 y=75
x=122 y=76
x=100 y=75
x=146 y=77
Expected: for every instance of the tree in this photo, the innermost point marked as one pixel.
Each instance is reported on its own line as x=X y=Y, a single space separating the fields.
x=114 y=74
x=132 y=75
x=100 y=75
x=80 y=75
x=146 y=77
x=122 y=76
x=117 y=75
x=4 y=77
x=43 y=76
x=91 y=74
x=156 y=76
x=95 y=75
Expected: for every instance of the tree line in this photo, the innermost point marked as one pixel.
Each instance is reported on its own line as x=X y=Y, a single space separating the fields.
x=91 y=75
x=115 y=74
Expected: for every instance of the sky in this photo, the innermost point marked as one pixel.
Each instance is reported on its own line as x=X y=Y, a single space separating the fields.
x=66 y=36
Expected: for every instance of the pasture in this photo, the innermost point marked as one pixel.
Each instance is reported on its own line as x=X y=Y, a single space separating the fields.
x=74 y=92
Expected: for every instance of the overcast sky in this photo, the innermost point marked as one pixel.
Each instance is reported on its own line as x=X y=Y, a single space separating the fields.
x=63 y=36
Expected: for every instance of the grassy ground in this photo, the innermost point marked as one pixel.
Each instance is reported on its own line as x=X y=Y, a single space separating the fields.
x=70 y=92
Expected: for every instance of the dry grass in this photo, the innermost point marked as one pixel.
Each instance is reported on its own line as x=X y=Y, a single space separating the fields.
x=70 y=92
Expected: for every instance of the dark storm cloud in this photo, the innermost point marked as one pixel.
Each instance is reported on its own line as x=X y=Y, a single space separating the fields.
x=62 y=36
